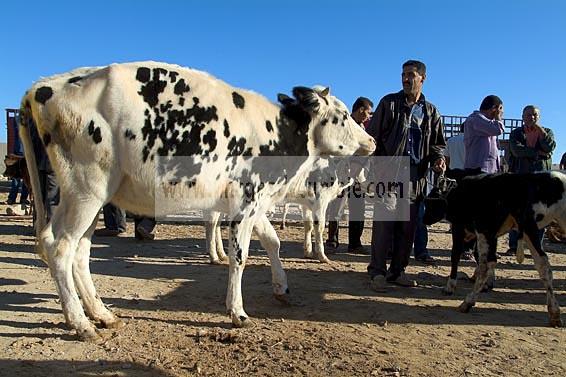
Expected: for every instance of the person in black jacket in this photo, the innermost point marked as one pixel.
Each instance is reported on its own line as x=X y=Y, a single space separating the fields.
x=404 y=124
x=530 y=147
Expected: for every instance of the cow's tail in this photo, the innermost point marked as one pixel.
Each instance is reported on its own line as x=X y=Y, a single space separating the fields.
x=26 y=122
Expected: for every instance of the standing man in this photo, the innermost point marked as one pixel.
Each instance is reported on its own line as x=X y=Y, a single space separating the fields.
x=361 y=112
x=530 y=147
x=563 y=162
x=404 y=124
x=481 y=129
x=455 y=154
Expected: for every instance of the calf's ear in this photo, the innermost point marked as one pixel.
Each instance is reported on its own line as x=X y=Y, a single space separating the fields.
x=284 y=99
x=307 y=98
x=322 y=91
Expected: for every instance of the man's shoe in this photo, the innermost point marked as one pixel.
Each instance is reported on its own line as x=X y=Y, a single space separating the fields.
x=142 y=234
x=331 y=244
x=358 y=250
x=378 y=283
x=511 y=252
x=105 y=232
x=426 y=259
x=403 y=280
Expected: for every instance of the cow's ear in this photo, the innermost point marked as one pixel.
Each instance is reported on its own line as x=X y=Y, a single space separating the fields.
x=323 y=91
x=284 y=99
x=307 y=98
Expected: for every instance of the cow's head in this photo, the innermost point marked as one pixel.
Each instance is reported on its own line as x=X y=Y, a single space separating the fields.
x=332 y=131
x=436 y=202
x=436 y=206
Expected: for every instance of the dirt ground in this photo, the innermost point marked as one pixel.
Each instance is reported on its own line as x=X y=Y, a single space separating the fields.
x=172 y=301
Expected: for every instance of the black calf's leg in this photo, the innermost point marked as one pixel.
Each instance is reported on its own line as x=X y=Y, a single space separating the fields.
x=455 y=255
x=543 y=267
x=486 y=248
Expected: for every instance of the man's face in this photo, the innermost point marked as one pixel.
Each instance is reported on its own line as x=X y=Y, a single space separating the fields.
x=496 y=112
x=530 y=116
x=362 y=114
x=365 y=114
x=412 y=80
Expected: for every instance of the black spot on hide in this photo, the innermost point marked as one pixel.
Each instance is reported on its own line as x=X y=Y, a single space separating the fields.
x=153 y=86
x=129 y=134
x=43 y=94
x=226 y=129
x=181 y=87
x=94 y=132
x=269 y=126
x=75 y=79
x=239 y=101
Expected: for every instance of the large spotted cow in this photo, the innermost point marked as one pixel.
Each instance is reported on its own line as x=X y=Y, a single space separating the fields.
x=313 y=190
x=127 y=133
x=491 y=205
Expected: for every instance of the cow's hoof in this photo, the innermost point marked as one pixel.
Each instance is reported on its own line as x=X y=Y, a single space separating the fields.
x=465 y=307
x=324 y=259
x=487 y=288
x=242 y=322
x=447 y=292
x=308 y=255
x=115 y=324
x=283 y=298
x=215 y=261
x=555 y=321
x=223 y=258
x=90 y=335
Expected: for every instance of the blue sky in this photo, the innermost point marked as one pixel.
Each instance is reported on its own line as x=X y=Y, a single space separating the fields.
x=513 y=48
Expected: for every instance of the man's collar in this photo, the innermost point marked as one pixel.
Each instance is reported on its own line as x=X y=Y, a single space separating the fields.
x=420 y=101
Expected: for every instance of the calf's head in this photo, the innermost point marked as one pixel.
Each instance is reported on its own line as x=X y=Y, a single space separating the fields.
x=332 y=131
x=436 y=206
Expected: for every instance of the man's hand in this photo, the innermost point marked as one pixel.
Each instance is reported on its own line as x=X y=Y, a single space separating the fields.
x=439 y=165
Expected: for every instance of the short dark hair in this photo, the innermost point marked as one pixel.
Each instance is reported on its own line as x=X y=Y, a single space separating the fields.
x=490 y=101
x=362 y=102
x=420 y=66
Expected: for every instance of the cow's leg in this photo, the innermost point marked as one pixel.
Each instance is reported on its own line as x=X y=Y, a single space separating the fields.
x=92 y=303
x=219 y=244
x=319 y=220
x=211 y=224
x=240 y=233
x=490 y=281
x=308 y=227
x=487 y=245
x=542 y=265
x=270 y=242
x=60 y=239
x=284 y=218
x=455 y=255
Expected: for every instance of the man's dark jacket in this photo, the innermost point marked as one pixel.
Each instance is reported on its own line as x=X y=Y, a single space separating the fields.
x=387 y=126
x=523 y=159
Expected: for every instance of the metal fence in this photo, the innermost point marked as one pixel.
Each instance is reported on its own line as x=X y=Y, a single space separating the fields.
x=452 y=125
